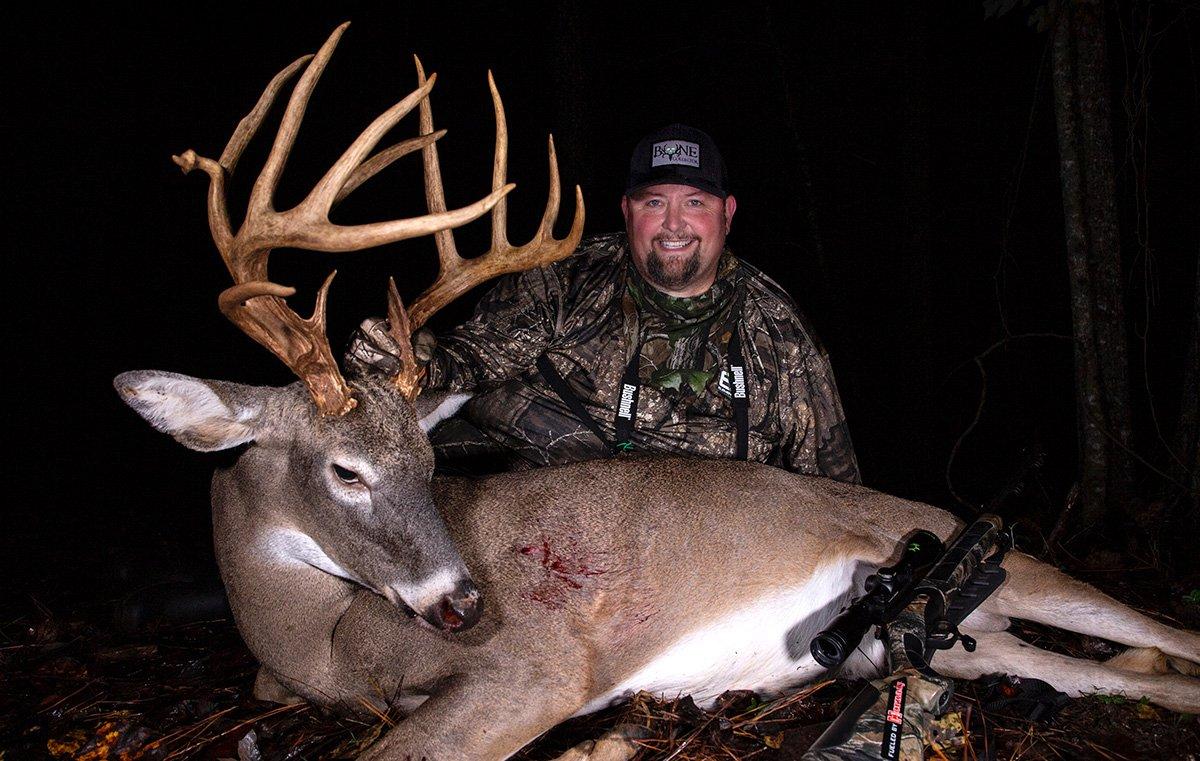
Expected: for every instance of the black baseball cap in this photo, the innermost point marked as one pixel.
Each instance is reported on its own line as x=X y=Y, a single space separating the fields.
x=680 y=155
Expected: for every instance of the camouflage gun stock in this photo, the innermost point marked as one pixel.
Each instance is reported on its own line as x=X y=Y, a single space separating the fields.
x=917 y=605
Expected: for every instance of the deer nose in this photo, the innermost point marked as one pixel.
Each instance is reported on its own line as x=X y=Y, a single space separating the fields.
x=458 y=610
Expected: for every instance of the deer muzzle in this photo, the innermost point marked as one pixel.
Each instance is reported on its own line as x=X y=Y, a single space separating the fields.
x=446 y=603
x=457 y=610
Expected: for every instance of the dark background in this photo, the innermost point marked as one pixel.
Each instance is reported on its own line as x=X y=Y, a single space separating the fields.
x=895 y=166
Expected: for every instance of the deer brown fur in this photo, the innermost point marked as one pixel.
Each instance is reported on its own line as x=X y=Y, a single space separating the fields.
x=596 y=579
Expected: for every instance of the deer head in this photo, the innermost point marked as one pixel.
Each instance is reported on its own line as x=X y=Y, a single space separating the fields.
x=338 y=470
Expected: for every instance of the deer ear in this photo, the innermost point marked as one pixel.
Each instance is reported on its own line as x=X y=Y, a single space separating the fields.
x=200 y=414
x=435 y=406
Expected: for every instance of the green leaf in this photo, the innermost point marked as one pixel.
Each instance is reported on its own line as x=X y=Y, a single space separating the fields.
x=697 y=380
x=667 y=379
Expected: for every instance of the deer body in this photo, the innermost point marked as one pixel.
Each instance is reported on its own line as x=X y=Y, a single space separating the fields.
x=579 y=555
x=679 y=576
x=625 y=584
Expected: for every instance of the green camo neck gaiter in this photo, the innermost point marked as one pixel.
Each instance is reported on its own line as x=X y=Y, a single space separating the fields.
x=678 y=353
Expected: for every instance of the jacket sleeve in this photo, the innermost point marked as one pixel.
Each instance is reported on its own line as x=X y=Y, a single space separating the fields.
x=818 y=434
x=512 y=325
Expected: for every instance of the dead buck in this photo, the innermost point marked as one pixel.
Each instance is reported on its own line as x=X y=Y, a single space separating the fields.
x=677 y=576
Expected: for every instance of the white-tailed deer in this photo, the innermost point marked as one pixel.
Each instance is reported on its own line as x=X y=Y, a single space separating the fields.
x=495 y=608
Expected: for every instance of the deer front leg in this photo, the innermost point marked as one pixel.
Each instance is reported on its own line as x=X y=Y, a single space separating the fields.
x=487 y=719
x=268 y=688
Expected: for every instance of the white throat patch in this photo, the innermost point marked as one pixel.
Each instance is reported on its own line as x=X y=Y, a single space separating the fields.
x=291 y=546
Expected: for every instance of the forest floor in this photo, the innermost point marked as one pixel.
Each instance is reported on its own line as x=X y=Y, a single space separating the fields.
x=78 y=684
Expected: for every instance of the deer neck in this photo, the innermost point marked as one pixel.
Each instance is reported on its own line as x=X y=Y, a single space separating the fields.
x=286 y=594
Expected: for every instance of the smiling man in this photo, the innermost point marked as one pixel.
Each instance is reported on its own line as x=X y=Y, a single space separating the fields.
x=658 y=339
x=677 y=235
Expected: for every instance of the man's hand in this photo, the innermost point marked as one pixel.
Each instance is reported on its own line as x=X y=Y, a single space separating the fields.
x=373 y=349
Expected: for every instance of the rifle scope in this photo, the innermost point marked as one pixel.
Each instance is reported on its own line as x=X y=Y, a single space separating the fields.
x=834 y=644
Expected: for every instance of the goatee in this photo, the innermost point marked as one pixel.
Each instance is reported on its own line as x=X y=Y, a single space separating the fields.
x=678 y=277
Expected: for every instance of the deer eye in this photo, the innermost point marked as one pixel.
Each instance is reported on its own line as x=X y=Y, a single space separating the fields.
x=345 y=475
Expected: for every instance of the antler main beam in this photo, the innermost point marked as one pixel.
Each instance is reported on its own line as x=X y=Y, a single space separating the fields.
x=257 y=305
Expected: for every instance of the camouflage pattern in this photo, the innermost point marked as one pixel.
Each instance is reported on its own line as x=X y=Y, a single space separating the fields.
x=924 y=699
x=959 y=564
x=589 y=314
x=947 y=733
x=926 y=696
x=860 y=731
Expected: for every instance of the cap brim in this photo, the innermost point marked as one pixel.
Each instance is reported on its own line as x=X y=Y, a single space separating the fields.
x=692 y=182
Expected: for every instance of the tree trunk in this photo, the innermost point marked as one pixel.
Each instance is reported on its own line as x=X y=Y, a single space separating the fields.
x=1187 y=434
x=1084 y=121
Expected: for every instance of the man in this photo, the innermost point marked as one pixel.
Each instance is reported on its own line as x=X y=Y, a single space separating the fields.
x=655 y=340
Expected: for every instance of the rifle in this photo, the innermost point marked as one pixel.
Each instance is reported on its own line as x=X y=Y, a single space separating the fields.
x=917 y=604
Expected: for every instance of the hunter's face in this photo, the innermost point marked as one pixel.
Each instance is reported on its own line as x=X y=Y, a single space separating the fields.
x=676 y=236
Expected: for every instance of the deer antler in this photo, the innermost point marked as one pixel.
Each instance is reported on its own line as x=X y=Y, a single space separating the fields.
x=257 y=305
x=457 y=275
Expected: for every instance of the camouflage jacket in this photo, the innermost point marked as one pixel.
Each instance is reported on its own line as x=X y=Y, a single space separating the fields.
x=589 y=314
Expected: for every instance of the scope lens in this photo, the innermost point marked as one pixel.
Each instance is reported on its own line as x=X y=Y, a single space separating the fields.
x=829 y=650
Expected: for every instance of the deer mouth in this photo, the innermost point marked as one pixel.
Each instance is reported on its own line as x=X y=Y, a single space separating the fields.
x=405 y=609
x=454 y=610
x=459 y=610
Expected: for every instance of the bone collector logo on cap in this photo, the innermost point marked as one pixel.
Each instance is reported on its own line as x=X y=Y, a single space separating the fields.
x=679 y=155
x=675 y=152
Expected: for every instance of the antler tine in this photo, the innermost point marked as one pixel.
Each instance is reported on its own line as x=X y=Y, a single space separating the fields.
x=499 y=168
x=458 y=275
x=285 y=138
x=327 y=188
x=234 y=300
x=550 y=215
x=435 y=198
x=322 y=235
x=248 y=127
x=408 y=379
x=384 y=159
x=218 y=212
x=257 y=305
